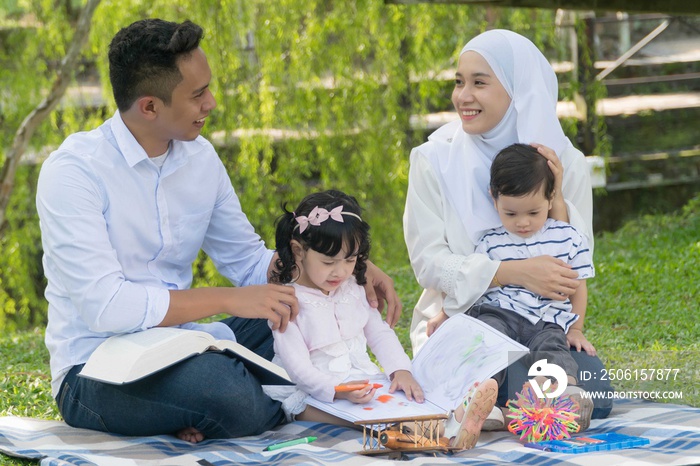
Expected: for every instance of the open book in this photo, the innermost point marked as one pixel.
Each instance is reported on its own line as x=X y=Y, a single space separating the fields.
x=126 y=358
x=463 y=350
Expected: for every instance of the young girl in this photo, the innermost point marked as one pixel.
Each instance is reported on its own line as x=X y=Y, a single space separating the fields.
x=323 y=247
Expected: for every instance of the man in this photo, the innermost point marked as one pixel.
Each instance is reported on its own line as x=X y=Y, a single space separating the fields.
x=124 y=210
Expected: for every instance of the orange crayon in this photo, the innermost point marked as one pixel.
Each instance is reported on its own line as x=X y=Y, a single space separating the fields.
x=351 y=387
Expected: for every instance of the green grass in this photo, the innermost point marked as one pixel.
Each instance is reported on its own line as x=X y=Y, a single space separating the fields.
x=25 y=384
x=642 y=314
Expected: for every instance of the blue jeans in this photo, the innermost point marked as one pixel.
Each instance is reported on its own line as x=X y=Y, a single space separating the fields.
x=517 y=376
x=212 y=392
x=546 y=340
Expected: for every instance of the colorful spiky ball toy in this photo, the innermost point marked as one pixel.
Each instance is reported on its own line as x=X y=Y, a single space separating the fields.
x=537 y=419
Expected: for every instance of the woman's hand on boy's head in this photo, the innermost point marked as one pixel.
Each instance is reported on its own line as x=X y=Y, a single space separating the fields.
x=558 y=210
x=380 y=289
x=554 y=163
x=404 y=381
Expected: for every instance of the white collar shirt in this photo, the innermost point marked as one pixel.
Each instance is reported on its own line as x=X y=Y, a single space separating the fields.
x=118 y=234
x=327 y=342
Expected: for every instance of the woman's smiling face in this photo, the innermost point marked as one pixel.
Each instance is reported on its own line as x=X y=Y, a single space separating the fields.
x=478 y=97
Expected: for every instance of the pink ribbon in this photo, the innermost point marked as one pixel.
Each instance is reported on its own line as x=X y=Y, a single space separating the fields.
x=318 y=215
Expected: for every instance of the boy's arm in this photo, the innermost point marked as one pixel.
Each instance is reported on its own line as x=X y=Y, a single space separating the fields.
x=575 y=336
x=436 y=321
x=558 y=210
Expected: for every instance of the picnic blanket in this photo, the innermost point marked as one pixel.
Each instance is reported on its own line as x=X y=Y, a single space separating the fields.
x=673 y=431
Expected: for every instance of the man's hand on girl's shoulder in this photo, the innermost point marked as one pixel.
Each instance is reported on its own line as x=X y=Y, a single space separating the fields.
x=380 y=290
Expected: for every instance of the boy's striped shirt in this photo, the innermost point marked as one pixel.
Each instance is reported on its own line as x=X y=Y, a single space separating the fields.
x=557 y=239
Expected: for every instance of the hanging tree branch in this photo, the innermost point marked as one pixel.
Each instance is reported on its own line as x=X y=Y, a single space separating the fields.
x=40 y=112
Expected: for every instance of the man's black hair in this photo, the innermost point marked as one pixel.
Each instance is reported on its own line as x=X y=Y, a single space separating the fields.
x=143 y=59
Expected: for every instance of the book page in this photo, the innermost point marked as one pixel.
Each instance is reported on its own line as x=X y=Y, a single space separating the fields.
x=463 y=350
x=385 y=405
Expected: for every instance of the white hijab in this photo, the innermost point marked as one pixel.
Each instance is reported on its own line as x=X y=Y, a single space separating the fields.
x=463 y=161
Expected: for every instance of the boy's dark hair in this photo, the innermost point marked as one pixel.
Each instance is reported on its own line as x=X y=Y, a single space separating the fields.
x=519 y=170
x=328 y=238
x=143 y=59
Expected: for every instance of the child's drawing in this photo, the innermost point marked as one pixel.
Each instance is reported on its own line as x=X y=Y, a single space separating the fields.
x=462 y=351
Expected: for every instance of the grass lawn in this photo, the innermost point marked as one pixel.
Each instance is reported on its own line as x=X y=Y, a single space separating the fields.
x=642 y=317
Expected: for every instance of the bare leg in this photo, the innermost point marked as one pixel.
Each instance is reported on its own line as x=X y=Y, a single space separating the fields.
x=316 y=415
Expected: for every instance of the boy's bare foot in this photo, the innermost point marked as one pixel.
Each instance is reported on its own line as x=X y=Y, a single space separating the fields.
x=473 y=412
x=190 y=434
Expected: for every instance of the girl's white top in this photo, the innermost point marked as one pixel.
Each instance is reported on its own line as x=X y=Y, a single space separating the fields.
x=327 y=342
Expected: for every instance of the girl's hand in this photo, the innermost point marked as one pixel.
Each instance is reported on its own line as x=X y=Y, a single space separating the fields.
x=404 y=381
x=578 y=340
x=380 y=288
x=435 y=322
x=362 y=396
x=558 y=210
x=544 y=275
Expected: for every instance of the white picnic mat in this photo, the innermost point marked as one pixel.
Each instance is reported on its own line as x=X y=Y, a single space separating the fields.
x=673 y=431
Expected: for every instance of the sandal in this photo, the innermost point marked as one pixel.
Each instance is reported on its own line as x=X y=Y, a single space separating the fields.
x=476 y=408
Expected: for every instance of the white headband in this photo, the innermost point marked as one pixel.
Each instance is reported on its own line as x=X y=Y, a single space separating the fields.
x=318 y=215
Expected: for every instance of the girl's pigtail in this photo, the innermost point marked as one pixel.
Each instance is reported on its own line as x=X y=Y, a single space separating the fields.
x=361 y=267
x=363 y=242
x=285 y=265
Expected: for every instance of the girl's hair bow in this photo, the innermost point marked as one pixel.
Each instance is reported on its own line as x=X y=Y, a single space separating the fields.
x=318 y=215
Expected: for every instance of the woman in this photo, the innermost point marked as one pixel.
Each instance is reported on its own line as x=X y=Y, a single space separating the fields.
x=505 y=92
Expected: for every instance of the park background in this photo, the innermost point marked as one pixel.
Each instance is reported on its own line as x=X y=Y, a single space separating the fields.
x=319 y=94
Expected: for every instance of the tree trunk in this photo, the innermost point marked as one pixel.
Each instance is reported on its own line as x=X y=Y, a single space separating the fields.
x=40 y=112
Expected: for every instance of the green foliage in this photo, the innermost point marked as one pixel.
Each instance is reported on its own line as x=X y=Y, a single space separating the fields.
x=31 y=46
x=338 y=80
x=592 y=90
x=644 y=297
x=342 y=78
x=21 y=275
